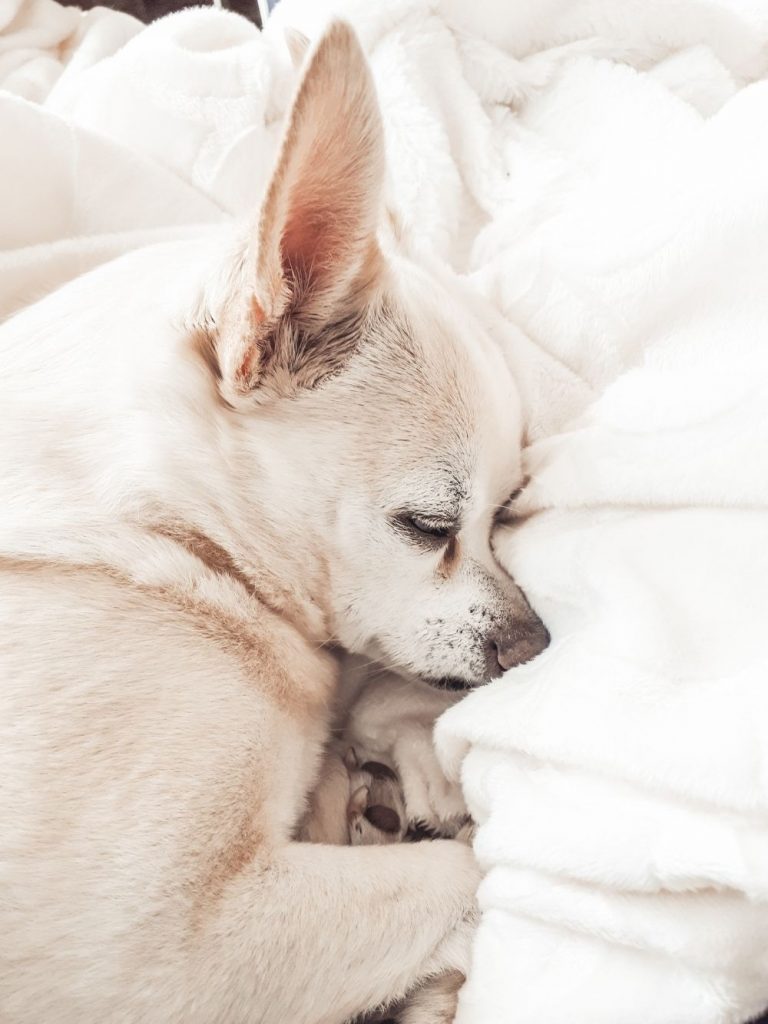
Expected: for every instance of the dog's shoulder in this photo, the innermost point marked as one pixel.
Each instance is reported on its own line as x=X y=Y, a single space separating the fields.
x=143 y=600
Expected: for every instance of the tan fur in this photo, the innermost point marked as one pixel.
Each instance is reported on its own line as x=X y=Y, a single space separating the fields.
x=206 y=457
x=451 y=557
x=316 y=258
x=435 y=1002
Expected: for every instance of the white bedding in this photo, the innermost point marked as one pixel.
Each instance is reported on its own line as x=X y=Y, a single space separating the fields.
x=601 y=170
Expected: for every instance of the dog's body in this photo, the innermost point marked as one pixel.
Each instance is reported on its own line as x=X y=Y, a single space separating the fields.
x=205 y=480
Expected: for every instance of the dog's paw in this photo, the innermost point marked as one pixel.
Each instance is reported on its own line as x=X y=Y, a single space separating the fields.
x=376 y=810
x=432 y=801
x=434 y=1002
x=355 y=802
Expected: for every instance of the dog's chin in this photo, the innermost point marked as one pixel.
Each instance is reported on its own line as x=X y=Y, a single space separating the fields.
x=450 y=683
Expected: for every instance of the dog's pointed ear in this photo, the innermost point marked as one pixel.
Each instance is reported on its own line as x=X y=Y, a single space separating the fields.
x=314 y=257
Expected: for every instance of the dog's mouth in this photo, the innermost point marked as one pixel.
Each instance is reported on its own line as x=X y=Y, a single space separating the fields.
x=451 y=683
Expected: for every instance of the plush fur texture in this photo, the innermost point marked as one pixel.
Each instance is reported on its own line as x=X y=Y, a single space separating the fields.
x=209 y=460
x=597 y=169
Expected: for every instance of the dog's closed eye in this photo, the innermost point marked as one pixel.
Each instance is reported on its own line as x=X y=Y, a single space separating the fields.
x=431 y=527
x=426 y=529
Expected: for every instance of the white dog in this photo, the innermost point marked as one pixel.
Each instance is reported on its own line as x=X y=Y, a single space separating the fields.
x=216 y=468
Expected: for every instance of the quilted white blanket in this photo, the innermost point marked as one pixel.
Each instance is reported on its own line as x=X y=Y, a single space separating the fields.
x=600 y=169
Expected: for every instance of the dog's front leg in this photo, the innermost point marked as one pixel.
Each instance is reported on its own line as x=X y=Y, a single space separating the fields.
x=324 y=933
x=430 y=798
x=434 y=1002
x=391 y=719
x=326 y=820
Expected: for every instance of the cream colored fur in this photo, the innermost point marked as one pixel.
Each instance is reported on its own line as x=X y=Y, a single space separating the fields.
x=202 y=450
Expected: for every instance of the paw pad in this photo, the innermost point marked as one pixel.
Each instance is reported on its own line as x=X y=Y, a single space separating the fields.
x=376 y=809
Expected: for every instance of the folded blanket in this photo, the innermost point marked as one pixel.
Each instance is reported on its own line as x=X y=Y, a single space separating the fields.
x=600 y=172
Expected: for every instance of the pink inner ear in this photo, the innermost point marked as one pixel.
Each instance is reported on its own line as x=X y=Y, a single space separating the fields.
x=302 y=244
x=313 y=247
x=316 y=246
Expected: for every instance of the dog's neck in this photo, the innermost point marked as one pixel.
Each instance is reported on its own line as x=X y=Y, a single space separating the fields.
x=88 y=489
x=128 y=432
x=260 y=563
x=225 y=531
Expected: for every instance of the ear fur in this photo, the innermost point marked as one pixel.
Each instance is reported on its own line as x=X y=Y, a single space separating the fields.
x=307 y=273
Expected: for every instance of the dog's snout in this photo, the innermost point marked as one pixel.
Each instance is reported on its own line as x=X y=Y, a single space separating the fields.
x=514 y=645
x=493 y=666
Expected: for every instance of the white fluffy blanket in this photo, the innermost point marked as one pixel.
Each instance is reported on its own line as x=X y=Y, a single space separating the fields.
x=600 y=169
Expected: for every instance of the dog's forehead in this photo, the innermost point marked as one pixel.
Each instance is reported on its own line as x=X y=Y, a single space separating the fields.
x=447 y=406
x=424 y=379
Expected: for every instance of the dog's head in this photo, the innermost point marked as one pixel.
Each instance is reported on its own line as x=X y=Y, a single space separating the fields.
x=393 y=419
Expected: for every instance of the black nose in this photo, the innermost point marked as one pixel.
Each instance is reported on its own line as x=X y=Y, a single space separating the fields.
x=514 y=645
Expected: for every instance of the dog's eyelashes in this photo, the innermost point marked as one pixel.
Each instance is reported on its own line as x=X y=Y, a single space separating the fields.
x=425 y=530
x=432 y=528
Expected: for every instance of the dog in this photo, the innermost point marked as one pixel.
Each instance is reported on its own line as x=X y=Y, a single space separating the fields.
x=222 y=462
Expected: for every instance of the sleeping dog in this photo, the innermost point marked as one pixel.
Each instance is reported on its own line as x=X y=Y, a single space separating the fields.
x=220 y=463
